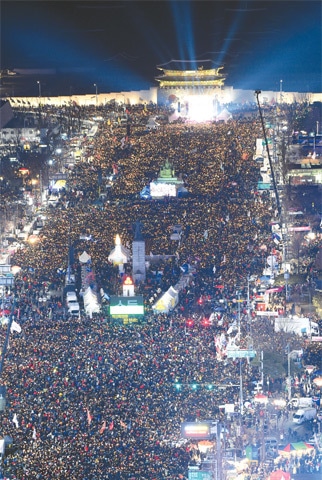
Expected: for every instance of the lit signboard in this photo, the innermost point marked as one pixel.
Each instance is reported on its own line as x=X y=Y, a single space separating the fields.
x=198 y=430
x=126 y=305
x=162 y=190
x=305 y=228
x=199 y=475
x=241 y=353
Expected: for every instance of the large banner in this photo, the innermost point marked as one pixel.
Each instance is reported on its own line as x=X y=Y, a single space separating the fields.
x=126 y=305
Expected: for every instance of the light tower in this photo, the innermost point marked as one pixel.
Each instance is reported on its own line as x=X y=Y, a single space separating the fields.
x=138 y=254
x=281 y=91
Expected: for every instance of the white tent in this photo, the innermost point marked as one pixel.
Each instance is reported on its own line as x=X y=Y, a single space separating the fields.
x=167 y=302
x=84 y=257
x=91 y=304
x=152 y=124
x=224 y=115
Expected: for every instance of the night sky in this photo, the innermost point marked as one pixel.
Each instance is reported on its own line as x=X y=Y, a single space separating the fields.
x=117 y=45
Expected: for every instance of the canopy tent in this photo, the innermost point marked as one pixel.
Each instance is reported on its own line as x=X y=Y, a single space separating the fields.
x=152 y=124
x=84 y=257
x=224 y=115
x=167 y=302
x=182 y=192
x=205 y=445
x=280 y=475
x=298 y=448
x=91 y=304
x=260 y=398
x=59 y=185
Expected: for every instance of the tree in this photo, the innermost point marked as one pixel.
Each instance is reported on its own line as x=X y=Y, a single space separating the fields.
x=313 y=354
x=274 y=365
x=283 y=163
x=295 y=114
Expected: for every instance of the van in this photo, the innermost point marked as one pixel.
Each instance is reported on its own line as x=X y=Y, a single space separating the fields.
x=301 y=402
x=71 y=302
x=233 y=454
x=71 y=296
x=74 y=310
x=304 y=415
x=271 y=443
x=53 y=201
x=71 y=299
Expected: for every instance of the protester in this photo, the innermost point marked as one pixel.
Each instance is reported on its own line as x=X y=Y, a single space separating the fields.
x=92 y=400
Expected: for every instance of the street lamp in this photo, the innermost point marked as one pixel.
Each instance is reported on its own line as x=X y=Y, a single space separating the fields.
x=281 y=91
x=277 y=198
x=289 y=379
x=95 y=93
x=39 y=88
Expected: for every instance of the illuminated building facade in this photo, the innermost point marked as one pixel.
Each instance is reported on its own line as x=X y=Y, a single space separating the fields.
x=193 y=88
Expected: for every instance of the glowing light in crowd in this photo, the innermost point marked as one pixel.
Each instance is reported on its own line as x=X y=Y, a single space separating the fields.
x=318 y=381
x=200 y=108
x=279 y=402
x=15 y=269
x=33 y=239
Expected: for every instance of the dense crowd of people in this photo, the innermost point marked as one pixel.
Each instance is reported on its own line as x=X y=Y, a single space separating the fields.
x=91 y=400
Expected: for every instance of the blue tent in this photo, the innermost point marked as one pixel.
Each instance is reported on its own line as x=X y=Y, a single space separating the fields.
x=145 y=193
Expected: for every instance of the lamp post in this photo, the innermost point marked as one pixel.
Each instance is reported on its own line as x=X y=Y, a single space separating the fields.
x=250 y=278
x=289 y=383
x=281 y=91
x=39 y=89
x=95 y=85
x=279 y=210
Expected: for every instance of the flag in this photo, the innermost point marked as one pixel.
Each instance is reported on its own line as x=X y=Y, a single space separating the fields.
x=103 y=427
x=89 y=417
x=15 y=327
x=15 y=420
x=34 y=434
x=111 y=425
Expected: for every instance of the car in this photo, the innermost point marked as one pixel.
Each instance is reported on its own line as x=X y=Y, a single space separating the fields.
x=311 y=441
x=271 y=443
x=233 y=454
